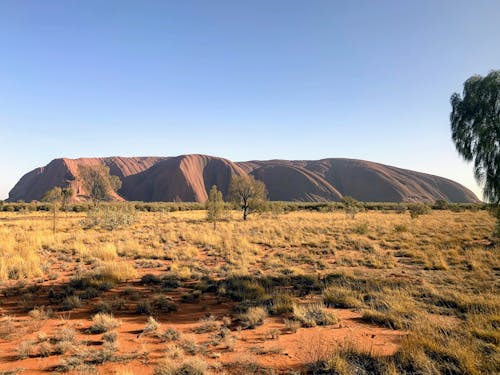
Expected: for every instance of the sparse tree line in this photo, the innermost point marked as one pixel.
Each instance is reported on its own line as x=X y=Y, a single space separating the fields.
x=269 y=206
x=245 y=194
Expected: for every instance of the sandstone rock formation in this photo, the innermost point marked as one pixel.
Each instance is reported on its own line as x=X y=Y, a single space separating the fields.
x=189 y=177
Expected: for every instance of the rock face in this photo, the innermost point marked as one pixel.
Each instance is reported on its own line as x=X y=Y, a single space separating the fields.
x=188 y=178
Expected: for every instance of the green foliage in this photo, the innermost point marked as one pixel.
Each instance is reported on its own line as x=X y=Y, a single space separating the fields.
x=440 y=204
x=66 y=195
x=248 y=193
x=98 y=183
x=418 y=209
x=215 y=206
x=475 y=127
x=351 y=206
x=54 y=197
x=110 y=217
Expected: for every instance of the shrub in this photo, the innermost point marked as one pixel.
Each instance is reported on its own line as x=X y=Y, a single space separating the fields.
x=103 y=322
x=193 y=366
x=400 y=228
x=39 y=313
x=170 y=334
x=109 y=217
x=361 y=228
x=292 y=325
x=115 y=272
x=71 y=302
x=190 y=366
x=341 y=297
x=207 y=325
x=241 y=289
x=7 y=327
x=44 y=349
x=313 y=314
x=25 y=349
x=144 y=307
x=106 y=252
x=66 y=334
x=70 y=363
x=103 y=307
x=151 y=327
x=440 y=204
x=188 y=344
x=164 y=303
x=150 y=279
x=254 y=316
x=110 y=336
x=418 y=209
x=282 y=304
x=351 y=206
x=191 y=297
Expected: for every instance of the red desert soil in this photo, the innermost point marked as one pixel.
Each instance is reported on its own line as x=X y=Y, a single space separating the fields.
x=293 y=349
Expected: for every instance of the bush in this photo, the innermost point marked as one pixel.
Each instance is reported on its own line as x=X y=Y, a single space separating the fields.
x=361 y=228
x=25 y=349
x=341 y=297
x=400 y=228
x=170 y=334
x=440 y=204
x=418 y=209
x=151 y=327
x=164 y=303
x=282 y=304
x=144 y=307
x=191 y=366
x=71 y=302
x=103 y=322
x=314 y=314
x=254 y=316
x=351 y=206
x=115 y=272
x=292 y=325
x=109 y=217
x=150 y=279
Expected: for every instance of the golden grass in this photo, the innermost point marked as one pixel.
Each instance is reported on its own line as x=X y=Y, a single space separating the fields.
x=398 y=272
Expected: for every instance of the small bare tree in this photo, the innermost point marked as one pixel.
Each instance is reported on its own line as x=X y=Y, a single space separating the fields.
x=66 y=195
x=248 y=193
x=351 y=206
x=54 y=197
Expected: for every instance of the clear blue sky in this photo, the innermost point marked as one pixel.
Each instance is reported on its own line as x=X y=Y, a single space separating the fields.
x=239 y=79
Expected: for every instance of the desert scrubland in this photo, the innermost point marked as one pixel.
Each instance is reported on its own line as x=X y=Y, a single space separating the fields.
x=297 y=292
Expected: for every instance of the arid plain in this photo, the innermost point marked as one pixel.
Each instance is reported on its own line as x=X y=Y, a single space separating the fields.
x=283 y=292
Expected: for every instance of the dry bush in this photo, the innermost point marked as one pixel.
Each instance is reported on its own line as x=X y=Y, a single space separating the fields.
x=313 y=314
x=25 y=349
x=7 y=327
x=40 y=313
x=292 y=325
x=189 y=366
x=334 y=296
x=103 y=322
x=151 y=327
x=116 y=272
x=254 y=316
x=444 y=267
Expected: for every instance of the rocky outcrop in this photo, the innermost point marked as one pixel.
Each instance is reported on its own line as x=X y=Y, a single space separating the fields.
x=188 y=178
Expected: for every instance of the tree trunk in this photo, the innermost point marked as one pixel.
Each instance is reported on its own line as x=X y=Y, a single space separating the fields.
x=245 y=212
x=54 y=219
